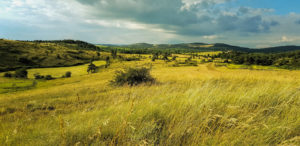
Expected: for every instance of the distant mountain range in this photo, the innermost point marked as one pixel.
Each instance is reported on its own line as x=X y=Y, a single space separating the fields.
x=205 y=47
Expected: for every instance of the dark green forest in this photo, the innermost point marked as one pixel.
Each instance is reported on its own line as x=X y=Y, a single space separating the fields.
x=288 y=60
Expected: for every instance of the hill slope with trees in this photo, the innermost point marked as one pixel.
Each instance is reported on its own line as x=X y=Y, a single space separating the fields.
x=31 y=54
x=196 y=47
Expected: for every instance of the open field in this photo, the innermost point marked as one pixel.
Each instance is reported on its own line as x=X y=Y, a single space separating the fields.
x=192 y=105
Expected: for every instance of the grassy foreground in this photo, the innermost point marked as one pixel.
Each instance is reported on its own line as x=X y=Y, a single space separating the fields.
x=201 y=105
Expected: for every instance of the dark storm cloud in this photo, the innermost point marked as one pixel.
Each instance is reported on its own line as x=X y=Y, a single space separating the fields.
x=144 y=11
x=170 y=15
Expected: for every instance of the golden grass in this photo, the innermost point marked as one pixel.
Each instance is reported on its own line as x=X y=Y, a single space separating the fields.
x=201 y=105
x=206 y=46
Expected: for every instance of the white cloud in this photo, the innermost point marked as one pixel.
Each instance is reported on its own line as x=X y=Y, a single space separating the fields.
x=124 y=24
x=285 y=39
x=190 y=3
x=17 y=3
x=211 y=37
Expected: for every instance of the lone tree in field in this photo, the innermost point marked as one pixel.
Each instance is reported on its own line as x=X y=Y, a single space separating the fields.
x=114 y=53
x=91 y=68
x=107 y=62
x=174 y=58
x=165 y=56
x=154 y=56
x=21 y=73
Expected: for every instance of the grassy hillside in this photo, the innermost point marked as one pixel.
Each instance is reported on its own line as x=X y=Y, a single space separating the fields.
x=17 y=54
x=200 y=105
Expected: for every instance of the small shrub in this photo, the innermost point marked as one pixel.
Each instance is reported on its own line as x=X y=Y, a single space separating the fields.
x=10 y=110
x=226 y=61
x=174 y=58
x=34 y=83
x=8 y=75
x=68 y=74
x=21 y=73
x=91 y=68
x=188 y=59
x=49 y=77
x=202 y=61
x=153 y=59
x=191 y=63
x=176 y=64
x=38 y=76
x=50 y=108
x=131 y=59
x=133 y=76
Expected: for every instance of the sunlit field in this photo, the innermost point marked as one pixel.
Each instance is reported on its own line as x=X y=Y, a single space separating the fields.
x=187 y=105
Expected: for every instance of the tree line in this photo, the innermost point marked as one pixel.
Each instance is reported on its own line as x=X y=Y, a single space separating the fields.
x=284 y=59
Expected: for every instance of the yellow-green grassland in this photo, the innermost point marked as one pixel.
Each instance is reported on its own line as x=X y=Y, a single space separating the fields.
x=187 y=105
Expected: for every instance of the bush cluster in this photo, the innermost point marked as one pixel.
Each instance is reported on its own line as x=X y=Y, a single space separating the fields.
x=19 y=73
x=133 y=76
x=8 y=75
x=48 y=77
x=68 y=74
x=37 y=76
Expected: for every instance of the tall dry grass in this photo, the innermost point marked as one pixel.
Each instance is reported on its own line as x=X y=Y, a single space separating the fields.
x=200 y=105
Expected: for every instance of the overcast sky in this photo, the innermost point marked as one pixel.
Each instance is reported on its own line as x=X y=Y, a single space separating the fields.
x=250 y=23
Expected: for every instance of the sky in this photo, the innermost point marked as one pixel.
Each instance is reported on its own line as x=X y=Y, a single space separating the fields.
x=248 y=23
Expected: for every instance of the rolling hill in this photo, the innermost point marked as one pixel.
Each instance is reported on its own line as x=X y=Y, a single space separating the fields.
x=17 y=54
